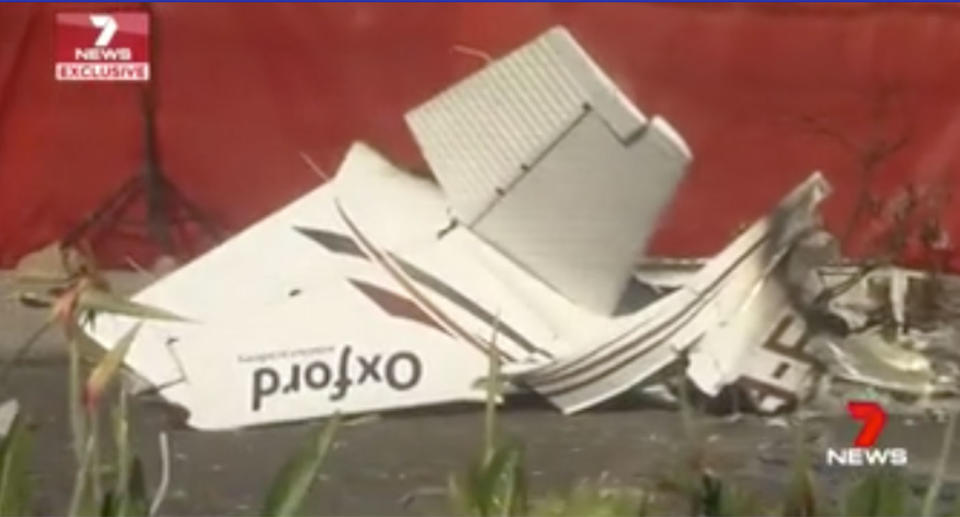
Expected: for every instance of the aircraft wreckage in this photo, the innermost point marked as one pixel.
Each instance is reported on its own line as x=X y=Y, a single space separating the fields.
x=382 y=289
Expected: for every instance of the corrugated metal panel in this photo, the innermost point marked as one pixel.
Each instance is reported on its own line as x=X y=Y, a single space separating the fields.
x=603 y=95
x=480 y=134
x=541 y=155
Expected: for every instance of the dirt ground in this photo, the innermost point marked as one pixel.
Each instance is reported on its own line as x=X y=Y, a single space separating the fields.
x=399 y=464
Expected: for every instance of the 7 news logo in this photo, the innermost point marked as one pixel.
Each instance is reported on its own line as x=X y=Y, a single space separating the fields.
x=102 y=46
x=864 y=452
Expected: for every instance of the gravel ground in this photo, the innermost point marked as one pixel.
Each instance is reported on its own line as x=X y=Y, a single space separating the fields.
x=375 y=467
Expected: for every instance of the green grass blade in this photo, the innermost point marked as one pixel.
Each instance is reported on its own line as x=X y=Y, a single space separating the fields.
x=498 y=486
x=940 y=471
x=94 y=470
x=82 y=502
x=645 y=505
x=294 y=481
x=131 y=499
x=15 y=484
x=479 y=500
x=489 y=479
x=121 y=436
x=879 y=494
x=735 y=502
x=107 y=369
x=77 y=417
x=494 y=479
x=589 y=500
x=512 y=484
x=801 y=499
x=550 y=506
x=493 y=395
x=457 y=495
x=109 y=505
x=134 y=501
x=98 y=300
x=129 y=492
x=90 y=350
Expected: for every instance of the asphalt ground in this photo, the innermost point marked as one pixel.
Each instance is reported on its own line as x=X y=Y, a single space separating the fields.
x=399 y=463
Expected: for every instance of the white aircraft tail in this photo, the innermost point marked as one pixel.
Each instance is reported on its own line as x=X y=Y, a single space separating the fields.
x=365 y=295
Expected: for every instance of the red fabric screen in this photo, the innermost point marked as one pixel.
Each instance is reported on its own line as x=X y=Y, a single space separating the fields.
x=763 y=94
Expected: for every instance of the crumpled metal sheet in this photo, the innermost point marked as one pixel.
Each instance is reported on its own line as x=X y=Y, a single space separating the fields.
x=899 y=342
x=680 y=320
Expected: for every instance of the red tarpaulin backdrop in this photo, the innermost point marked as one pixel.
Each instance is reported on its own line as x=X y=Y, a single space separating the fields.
x=763 y=95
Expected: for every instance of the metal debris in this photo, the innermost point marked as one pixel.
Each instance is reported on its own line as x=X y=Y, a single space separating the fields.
x=894 y=348
x=550 y=184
